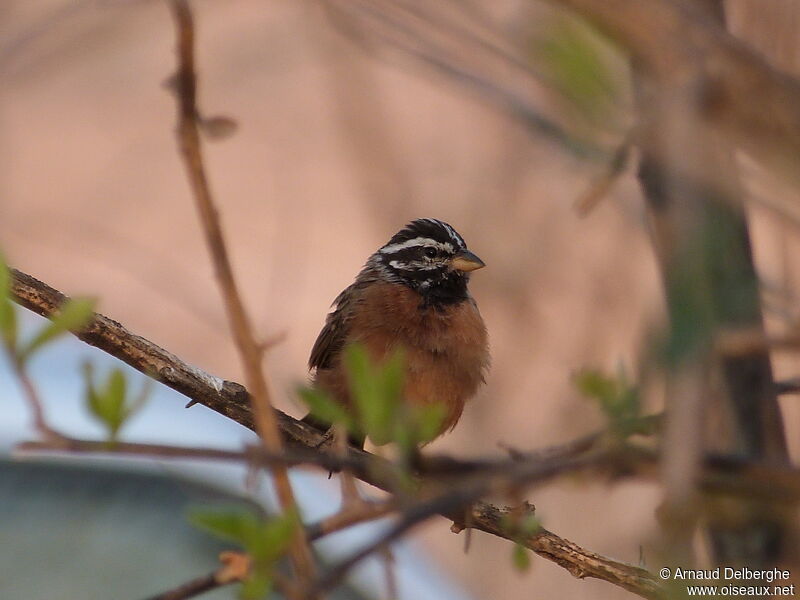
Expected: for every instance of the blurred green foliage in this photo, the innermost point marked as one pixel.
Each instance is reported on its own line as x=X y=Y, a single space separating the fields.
x=710 y=285
x=265 y=539
x=72 y=316
x=521 y=558
x=520 y=529
x=378 y=410
x=375 y=390
x=617 y=397
x=111 y=402
x=575 y=58
x=8 y=315
x=323 y=408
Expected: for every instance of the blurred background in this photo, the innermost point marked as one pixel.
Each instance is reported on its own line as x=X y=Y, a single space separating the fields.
x=344 y=136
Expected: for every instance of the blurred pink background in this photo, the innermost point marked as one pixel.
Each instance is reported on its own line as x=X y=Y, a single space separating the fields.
x=335 y=151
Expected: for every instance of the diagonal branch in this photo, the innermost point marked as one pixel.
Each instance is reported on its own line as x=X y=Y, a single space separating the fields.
x=230 y=399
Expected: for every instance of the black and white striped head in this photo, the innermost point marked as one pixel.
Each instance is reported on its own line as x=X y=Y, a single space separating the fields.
x=428 y=256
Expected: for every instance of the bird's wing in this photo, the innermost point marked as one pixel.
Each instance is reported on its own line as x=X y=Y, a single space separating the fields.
x=333 y=336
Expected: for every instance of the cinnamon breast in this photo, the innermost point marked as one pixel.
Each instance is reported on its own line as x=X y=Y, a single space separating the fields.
x=446 y=347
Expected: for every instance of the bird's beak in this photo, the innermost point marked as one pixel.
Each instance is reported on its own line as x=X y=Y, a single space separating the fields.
x=466 y=261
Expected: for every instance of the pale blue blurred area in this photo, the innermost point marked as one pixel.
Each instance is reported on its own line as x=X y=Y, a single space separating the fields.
x=57 y=373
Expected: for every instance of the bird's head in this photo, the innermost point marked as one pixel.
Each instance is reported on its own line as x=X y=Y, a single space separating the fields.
x=430 y=257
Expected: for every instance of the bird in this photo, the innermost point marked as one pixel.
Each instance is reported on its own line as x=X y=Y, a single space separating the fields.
x=411 y=295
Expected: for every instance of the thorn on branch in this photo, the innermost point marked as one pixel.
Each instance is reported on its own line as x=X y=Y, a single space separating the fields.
x=235 y=567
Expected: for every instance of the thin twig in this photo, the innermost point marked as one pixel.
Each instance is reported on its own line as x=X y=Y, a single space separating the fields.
x=600 y=187
x=254 y=455
x=30 y=393
x=246 y=344
x=392 y=591
x=788 y=386
x=571 y=448
x=66 y=444
x=351 y=515
x=35 y=404
x=720 y=474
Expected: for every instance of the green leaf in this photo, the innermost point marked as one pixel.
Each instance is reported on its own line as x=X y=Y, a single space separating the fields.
x=576 y=59
x=324 y=408
x=273 y=538
x=265 y=539
x=363 y=389
x=8 y=323
x=518 y=527
x=594 y=384
x=74 y=315
x=233 y=524
x=710 y=284
x=521 y=558
x=8 y=315
x=110 y=403
x=115 y=394
x=428 y=421
x=5 y=278
x=529 y=525
x=255 y=587
x=376 y=390
x=617 y=397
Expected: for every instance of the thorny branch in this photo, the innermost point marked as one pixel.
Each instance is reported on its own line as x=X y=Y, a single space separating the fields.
x=249 y=350
x=231 y=400
x=34 y=402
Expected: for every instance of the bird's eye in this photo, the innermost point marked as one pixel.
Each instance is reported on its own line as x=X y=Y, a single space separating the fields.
x=430 y=252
